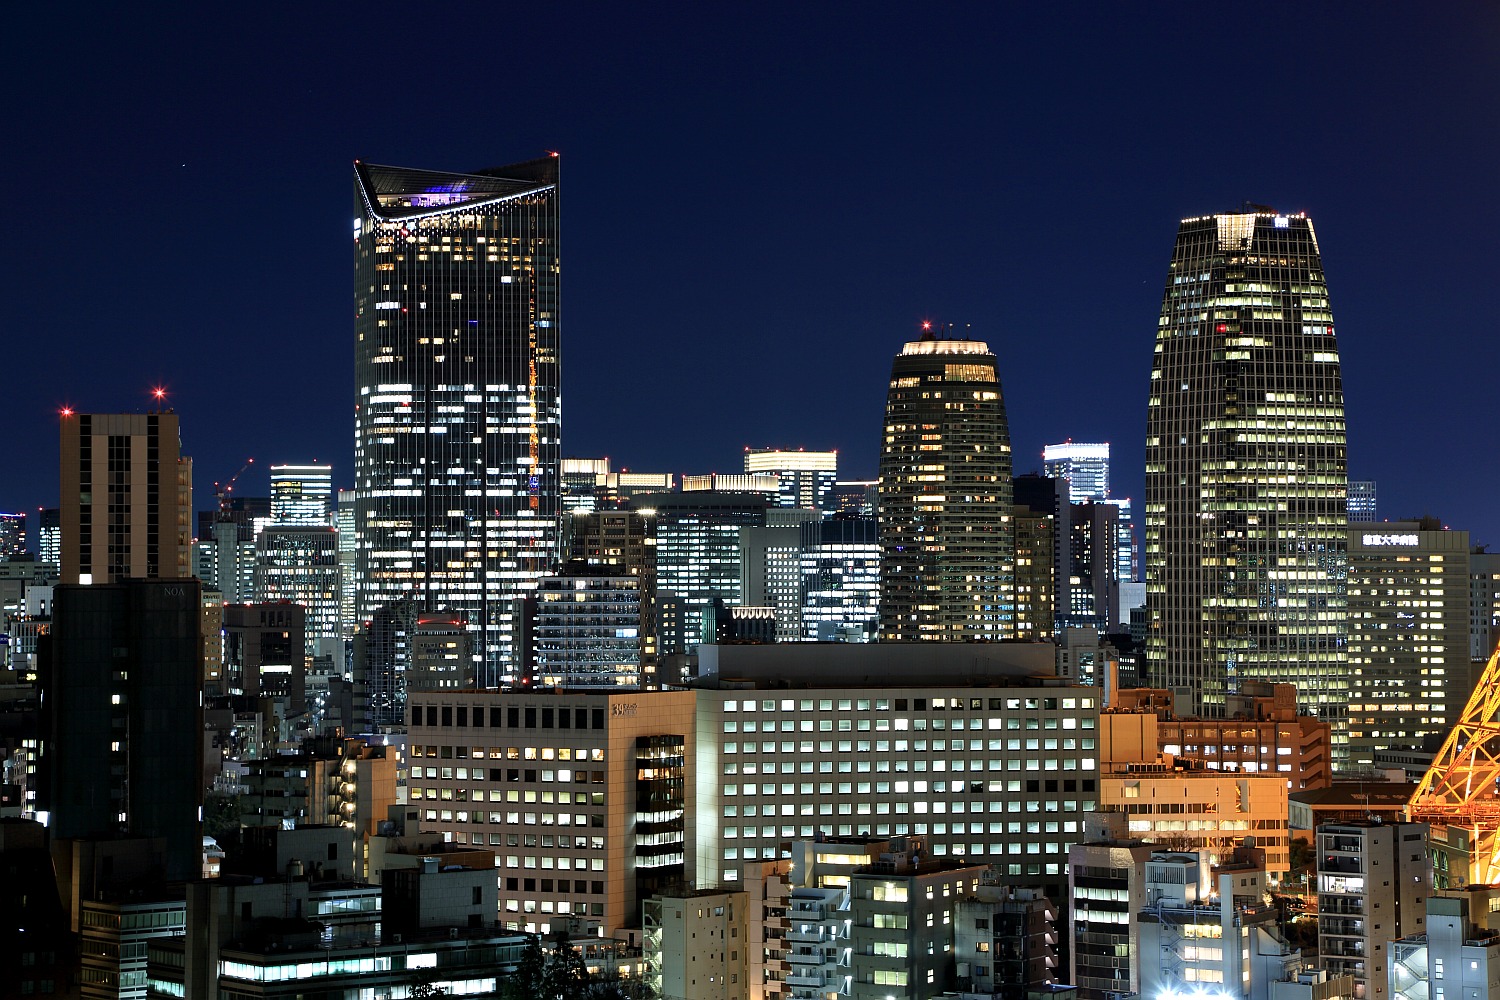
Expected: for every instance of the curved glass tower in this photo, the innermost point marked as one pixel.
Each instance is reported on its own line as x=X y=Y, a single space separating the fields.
x=1246 y=519
x=456 y=451
x=946 y=531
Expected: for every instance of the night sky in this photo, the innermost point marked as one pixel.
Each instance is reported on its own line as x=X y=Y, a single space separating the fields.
x=760 y=204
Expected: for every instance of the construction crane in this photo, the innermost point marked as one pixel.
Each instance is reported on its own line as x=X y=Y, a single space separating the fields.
x=222 y=490
x=1461 y=789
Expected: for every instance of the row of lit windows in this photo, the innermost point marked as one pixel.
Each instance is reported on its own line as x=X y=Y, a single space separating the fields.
x=595 y=754
x=920 y=704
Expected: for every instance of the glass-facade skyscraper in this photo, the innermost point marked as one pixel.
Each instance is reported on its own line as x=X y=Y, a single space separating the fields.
x=1246 y=523
x=457 y=413
x=1084 y=465
x=947 y=532
x=301 y=494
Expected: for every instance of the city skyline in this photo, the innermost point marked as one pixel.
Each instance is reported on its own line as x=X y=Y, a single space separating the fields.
x=1033 y=157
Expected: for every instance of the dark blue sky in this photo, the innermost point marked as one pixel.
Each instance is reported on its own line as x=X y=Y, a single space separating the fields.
x=760 y=202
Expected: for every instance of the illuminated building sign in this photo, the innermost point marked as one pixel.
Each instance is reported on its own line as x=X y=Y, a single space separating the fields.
x=1390 y=540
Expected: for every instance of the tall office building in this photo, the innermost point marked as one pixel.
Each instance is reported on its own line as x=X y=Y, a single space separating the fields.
x=1084 y=467
x=300 y=563
x=578 y=476
x=589 y=485
x=343 y=522
x=697 y=556
x=840 y=579
x=297 y=553
x=456 y=302
x=12 y=535
x=855 y=496
x=1484 y=603
x=1246 y=519
x=1089 y=584
x=300 y=494
x=1408 y=634
x=771 y=566
x=127 y=498
x=946 y=529
x=49 y=536
x=807 y=477
x=768 y=484
x=1363 y=505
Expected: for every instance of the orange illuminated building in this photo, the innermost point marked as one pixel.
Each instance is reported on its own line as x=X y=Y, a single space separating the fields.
x=1262 y=734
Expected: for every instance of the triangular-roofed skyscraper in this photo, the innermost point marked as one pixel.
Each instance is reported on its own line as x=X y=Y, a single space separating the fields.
x=457 y=415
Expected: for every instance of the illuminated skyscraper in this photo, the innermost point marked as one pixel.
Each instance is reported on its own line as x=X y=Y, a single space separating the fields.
x=457 y=494
x=1085 y=468
x=300 y=494
x=12 y=535
x=1246 y=544
x=49 y=535
x=1363 y=505
x=946 y=529
x=807 y=477
x=1409 y=605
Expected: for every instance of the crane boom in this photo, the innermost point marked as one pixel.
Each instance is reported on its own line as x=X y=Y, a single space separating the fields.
x=222 y=490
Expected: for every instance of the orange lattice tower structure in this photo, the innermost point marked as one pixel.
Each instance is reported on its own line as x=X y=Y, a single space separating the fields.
x=1461 y=789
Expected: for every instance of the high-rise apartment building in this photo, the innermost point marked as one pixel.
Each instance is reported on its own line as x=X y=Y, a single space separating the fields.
x=301 y=494
x=624 y=539
x=457 y=415
x=1246 y=516
x=1036 y=575
x=1084 y=467
x=807 y=477
x=1372 y=880
x=587 y=633
x=1408 y=634
x=127 y=498
x=946 y=533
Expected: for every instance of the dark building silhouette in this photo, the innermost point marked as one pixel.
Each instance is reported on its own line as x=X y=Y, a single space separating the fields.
x=122 y=721
x=264 y=652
